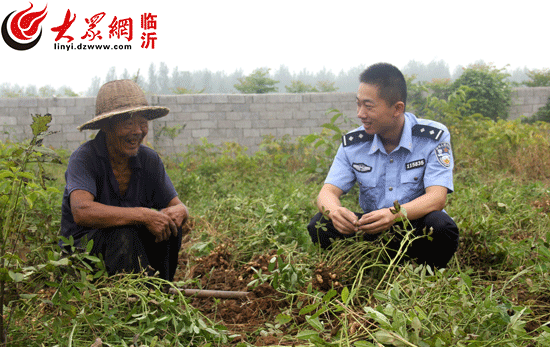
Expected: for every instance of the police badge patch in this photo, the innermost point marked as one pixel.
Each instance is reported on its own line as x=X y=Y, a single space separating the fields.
x=361 y=167
x=443 y=154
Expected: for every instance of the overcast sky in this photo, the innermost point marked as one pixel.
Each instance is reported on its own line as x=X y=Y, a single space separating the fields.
x=232 y=34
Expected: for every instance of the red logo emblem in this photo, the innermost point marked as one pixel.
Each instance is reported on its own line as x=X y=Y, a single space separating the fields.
x=23 y=27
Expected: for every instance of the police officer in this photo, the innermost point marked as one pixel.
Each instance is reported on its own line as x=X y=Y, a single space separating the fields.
x=392 y=156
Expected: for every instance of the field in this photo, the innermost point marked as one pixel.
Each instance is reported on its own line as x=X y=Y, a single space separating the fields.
x=247 y=232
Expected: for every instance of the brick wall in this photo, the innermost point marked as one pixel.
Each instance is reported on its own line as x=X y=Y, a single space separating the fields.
x=219 y=118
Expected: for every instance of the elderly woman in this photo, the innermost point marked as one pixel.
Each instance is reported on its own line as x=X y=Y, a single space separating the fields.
x=117 y=191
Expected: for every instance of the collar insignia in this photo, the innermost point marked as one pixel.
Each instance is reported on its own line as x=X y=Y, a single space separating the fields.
x=427 y=131
x=356 y=137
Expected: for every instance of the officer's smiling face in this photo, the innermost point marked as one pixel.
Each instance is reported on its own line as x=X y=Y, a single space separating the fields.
x=375 y=114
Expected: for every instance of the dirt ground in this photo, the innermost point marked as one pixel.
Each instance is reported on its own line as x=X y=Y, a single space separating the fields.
x=245 y=317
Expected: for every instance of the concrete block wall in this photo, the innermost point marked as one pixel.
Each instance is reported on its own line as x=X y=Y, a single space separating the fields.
x=527 y=100
x=67 y=114
x=245 y=119
x=241 y=118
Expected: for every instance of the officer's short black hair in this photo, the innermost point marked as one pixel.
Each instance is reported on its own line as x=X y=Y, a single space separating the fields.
x=391 y=83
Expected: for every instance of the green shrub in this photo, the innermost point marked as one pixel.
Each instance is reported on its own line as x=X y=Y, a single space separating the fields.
x=539 y=78
x=297 y=86
x=542 y=115
x=491 y=92
x=258 y=82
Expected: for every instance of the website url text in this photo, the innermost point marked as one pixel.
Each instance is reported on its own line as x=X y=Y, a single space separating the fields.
x=82 y=46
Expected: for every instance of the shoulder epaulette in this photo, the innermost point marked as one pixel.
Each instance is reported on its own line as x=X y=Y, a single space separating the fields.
x=427 y=131
x=356 y=137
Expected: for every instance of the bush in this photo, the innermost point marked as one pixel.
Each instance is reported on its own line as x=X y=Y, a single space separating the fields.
x=258 y=82
x=489 y=88
x=543 y=114
x=539 y=78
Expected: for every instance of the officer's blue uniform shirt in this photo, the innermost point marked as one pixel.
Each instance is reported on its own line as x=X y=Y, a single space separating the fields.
x=422 y=159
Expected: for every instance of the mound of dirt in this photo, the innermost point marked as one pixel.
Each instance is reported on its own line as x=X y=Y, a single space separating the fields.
x=217 y=271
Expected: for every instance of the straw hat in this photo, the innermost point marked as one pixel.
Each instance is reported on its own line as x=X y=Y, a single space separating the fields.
x=121 y=97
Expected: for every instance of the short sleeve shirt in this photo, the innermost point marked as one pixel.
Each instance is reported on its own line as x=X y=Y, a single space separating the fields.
x=89 y=169
x=422 y=159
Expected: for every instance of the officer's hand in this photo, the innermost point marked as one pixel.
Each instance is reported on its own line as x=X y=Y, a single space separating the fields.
x=160 y=225
x=376 y=221
x=344 y=220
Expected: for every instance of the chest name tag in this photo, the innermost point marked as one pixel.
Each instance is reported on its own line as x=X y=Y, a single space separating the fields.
x=415 y=164
x=361 y=167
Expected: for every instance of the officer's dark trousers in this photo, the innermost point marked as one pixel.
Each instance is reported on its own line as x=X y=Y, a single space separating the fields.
x=436 y=252
x=133 y=249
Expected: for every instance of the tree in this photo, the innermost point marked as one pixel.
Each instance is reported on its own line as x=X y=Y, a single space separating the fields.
x=125 y=75
x=457 y=72
x=258 y=82
x=326 y=86
x=152 y=86
x=222 y=81
x=426 y=73
x=7 y=91
x=111 y=75
x=94 y=87
x=182 y=90
x=139 y=80
x=234 y=78
x=206 y=81
x=490 y=89
x=283 y=75
x=46 y=91
x=66 y=91
x=518 y=76
x=297 y=86
x=31 y=91
x=163 y=79
x=538 y=78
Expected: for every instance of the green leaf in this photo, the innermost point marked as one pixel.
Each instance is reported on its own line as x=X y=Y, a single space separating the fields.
x=310 y=138
x=25 y=174
x=416 y=324
x=5 y=174
x=329 y=295
x=363 y=344
x=378 y=316
x=309 y=308
x=345 y=295
x=272 y=264
x=467 y=280
x=60 y=262
x=41 y=174
x=89 y=246
x=307 y=334
x=16 y=276
x=337 y=114
x=27 y=296
x=386 y=337
x=315 y=323
x=331 y=127
x=283 y=318
x=40 y=123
